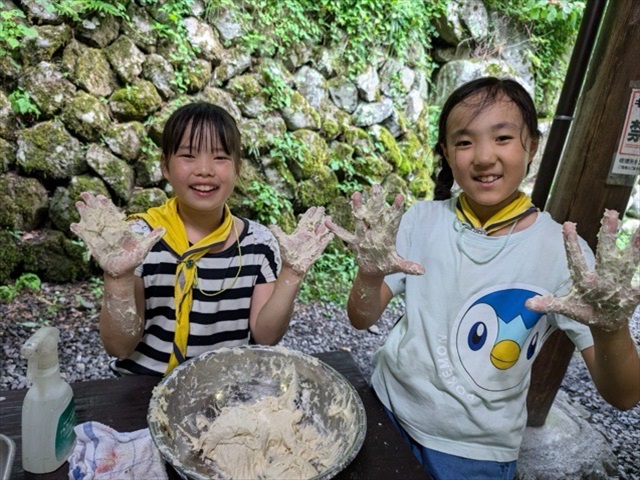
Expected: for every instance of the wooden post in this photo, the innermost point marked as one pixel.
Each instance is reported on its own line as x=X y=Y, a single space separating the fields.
x=583 y=186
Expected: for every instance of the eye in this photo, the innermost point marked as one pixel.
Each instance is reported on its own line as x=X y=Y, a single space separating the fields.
x=503 y=138
x=477 y=336
x=463 y=143
x=533 y=346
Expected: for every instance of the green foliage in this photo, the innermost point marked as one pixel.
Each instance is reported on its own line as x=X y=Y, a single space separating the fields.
x=76 y=10
x=21 y=103
x=269 y=206
x=26 y=281
x=355 y=26
x=331 y=277
x=393 y=24
x=287 y=147
x=97 y=287
x=552 y=27
x=276 y=88
x=183 y=54
x=272 y=26
x=347 y=173
x=13 y=31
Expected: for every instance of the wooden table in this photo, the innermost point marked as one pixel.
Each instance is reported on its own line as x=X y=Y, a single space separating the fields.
x=122 y=404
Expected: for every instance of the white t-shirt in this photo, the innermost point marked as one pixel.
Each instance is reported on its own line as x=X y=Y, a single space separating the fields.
x=455 y=370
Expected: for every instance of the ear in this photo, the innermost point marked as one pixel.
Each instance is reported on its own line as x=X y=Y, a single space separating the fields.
x=535 y=143
x=164 y=167
x=445 y=152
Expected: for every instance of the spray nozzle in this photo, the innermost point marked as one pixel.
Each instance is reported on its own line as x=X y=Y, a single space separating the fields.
x=41 y=350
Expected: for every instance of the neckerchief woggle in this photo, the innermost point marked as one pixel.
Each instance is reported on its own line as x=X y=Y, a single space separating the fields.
x=166 y=216
x=509 y=214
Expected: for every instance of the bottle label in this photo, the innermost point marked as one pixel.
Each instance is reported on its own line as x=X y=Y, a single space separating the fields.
x=65 y=436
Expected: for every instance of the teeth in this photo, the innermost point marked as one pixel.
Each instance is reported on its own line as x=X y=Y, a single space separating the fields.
x=203 y=188
x=487 y=179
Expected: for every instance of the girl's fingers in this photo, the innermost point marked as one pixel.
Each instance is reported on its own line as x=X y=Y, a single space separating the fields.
x=89 y=199
x=411 y=268
x=397 y=203
x=606 y=238
x=152 y=238
x=277 y=232
x=340 y=232
x=577 y=263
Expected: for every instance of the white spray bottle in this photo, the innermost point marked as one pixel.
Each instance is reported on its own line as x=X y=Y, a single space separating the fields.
x=48 y=410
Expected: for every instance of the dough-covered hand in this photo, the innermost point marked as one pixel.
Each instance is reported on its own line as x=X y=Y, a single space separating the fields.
x=602 y=298
x=307 y=242
x=103 y=228
x=374 y=241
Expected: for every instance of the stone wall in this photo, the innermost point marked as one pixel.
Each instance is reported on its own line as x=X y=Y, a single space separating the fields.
x=104 y=87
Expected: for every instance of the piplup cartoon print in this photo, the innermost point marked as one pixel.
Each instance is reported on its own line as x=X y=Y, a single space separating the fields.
x=498 y=338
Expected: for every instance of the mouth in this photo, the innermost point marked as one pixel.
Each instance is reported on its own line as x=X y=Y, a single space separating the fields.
x=487 y=178
x=204 y=188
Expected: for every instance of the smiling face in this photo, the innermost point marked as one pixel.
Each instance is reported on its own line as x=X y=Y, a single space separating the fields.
x=488 y=148
x=201 y=172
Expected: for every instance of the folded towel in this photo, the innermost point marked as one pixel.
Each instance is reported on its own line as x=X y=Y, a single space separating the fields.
x=101 y=453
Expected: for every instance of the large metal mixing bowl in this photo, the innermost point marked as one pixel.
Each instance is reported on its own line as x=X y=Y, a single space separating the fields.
x=228 y=377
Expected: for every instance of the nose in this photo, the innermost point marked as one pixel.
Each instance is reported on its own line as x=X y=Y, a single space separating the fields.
x=484 y=155
x=204 y=168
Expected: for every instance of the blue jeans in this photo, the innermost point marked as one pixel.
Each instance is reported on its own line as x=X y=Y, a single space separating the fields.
x=442 y=466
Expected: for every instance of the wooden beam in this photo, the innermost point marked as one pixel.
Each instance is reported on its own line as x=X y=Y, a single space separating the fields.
x=583 y=187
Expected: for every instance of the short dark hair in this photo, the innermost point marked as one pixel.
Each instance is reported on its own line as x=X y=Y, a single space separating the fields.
x=492 y=88
x=202 y=116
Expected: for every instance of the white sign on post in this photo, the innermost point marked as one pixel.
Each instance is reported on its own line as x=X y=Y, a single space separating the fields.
x=627 y=160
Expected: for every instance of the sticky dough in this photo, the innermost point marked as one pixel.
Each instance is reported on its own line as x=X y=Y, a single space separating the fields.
x=269 y=439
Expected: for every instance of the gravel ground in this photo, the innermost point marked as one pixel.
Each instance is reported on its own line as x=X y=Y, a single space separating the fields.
x=315 y=327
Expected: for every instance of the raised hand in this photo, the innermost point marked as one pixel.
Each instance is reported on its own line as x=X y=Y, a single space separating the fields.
x=605 y=297
x=307 y=242
x=108 y=236
x=374 y=241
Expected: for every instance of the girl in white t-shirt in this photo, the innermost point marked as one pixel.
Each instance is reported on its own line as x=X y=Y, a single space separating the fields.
x=479 y=273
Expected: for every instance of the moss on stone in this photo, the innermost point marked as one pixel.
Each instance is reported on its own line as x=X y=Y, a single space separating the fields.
x=299 y=114
x=47 y=149
x=422 y=185
x=372 y=167
x=360 y=140
x=330 y=128
x=24 y=202
x=11 y=256
x=86 y=116
x=198 y=75
x=62 y=210
x=319 y=189
x=312 y=158
x=157 y=122
x=394 y=184
x=419 y=156
x=125 y=139
x=148 y=170
x=388 y=147
x=55 y=258
x=7 y=155
x=136 y=101
x=145 y=198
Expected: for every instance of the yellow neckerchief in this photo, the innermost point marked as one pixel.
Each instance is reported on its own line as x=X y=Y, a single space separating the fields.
x=520 y=207
x=166 y=216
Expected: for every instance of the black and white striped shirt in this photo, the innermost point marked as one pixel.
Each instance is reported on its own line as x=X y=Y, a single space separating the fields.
x=219 y=314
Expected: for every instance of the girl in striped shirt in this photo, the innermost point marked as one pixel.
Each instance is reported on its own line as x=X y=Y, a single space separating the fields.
x=189 y=276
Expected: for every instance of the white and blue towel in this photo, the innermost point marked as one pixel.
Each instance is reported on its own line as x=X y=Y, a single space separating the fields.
x=101 y=453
